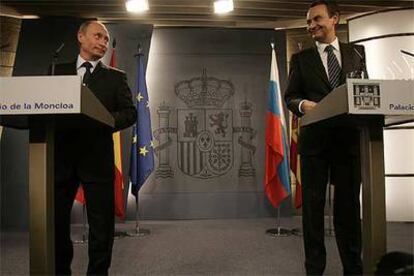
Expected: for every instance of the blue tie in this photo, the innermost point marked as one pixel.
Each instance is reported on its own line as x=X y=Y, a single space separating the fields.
x=334 y=70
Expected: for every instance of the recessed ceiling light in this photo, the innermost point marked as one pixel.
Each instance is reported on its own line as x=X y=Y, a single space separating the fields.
x=136 y=5
x=30 y=16
x=223 y=6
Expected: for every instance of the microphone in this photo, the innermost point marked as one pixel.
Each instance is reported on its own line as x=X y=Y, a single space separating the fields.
x=56 y=54
x=55 y=57
x=407 y=53
x=358 y=53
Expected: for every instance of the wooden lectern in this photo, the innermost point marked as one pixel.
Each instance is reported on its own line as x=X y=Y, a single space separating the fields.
x=370 y=105
x=42 y=105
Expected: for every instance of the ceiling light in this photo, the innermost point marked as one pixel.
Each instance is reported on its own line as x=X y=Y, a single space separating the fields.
x=223 y=6
x=136 y=5
x=30 y=16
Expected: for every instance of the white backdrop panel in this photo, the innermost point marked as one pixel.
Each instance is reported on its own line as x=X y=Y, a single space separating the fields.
x=383 y=23
x=384 y=35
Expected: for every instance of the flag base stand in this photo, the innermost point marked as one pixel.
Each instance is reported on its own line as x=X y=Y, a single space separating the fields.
x=139 y=232
x=279 y=232
x=120 y=235
x=330 y=231
x=84 y=240
x=297 y=232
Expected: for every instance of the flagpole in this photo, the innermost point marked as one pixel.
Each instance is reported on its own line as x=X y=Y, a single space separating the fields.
x=84 y=228
x=118 y=234
x=139 y=179
x=329 y=230
x=138 y=231
x=297 y=231
x=274 y=77
x=278 y=231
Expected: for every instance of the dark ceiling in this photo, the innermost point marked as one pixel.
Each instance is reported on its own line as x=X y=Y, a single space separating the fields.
x=246 y=14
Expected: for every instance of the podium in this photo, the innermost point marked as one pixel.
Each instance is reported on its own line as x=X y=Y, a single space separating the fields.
x=43 y=105
x=369 y=105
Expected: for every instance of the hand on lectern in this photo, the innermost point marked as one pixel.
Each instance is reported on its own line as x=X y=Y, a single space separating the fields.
x=307 y=106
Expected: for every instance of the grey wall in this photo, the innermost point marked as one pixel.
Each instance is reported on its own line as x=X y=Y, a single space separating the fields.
x=190 y=182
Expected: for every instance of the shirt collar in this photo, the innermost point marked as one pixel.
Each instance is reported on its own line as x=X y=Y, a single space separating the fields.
x=321 y=46
x=80 y=61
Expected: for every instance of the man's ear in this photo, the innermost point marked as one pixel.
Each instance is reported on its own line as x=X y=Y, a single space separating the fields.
x=335 y=17
x=80 y=36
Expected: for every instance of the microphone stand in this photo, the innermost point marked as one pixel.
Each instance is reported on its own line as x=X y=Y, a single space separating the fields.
x=55 y=58
x=360 y=74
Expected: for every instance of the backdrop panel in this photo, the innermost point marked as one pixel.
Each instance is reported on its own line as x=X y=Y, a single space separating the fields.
x=208 y=96
x=384 y=35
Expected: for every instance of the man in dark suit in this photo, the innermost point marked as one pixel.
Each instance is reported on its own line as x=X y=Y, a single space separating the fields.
x=328 y=154
x=86 y=155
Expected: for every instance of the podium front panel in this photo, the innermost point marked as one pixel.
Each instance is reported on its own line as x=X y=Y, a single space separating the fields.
x=384 y=97
x=40 y=95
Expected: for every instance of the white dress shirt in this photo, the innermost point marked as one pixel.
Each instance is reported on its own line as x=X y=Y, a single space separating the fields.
x=80 y=69
x=324 y=55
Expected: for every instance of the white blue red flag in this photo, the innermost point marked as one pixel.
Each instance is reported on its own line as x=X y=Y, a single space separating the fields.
x=277 y=181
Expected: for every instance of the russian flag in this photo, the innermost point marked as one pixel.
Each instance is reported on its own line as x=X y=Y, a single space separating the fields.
x=277 y=181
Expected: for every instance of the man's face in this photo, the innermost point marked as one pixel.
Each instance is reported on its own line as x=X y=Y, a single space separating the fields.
x=320 y=25
x=93 y=41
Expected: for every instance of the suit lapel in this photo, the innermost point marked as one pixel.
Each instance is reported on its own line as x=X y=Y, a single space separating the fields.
x=100 y=68
x=316 y=62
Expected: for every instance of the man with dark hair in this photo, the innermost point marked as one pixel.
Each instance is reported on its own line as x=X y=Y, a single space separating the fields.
x=86 y=155
x=328 y=154
x=331 y=6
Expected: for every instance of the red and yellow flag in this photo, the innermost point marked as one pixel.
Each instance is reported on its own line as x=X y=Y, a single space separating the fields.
x=295 y=159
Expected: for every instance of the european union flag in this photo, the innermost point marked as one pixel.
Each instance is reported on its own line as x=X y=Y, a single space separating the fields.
x=142 y=154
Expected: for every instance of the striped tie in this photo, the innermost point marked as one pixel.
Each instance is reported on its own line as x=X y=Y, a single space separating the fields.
x=334 y=70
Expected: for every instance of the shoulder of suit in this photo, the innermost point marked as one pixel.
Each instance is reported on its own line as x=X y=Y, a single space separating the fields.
x=350 y=45
x=64 y=68
x=68 y=65
x=112 y=69
x=304 y=52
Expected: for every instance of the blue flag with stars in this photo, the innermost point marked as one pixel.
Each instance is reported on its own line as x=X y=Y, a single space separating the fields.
x=142 y=155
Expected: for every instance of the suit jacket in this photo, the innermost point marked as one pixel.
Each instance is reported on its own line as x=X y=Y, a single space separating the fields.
x=87 y=152
x=308 y=81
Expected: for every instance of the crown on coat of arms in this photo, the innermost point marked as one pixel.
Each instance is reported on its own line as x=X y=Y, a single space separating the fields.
x=204 y=91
